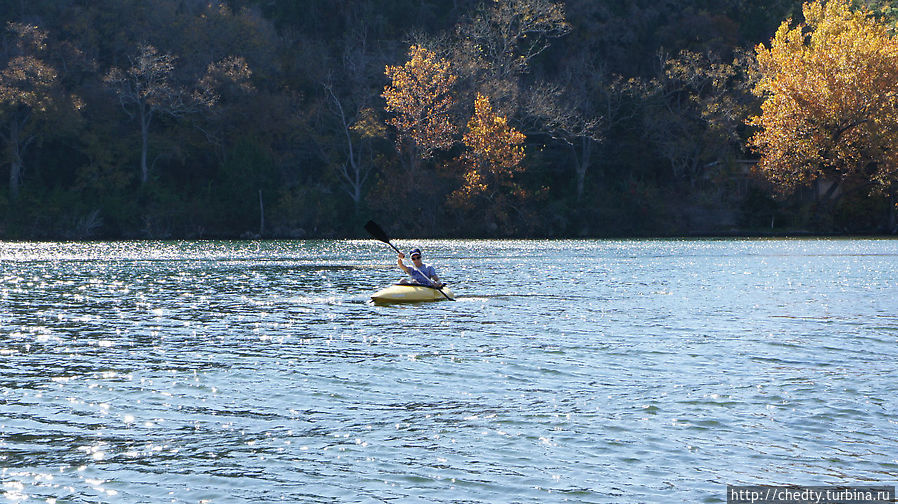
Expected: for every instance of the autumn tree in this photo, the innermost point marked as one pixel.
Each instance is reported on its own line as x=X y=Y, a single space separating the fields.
x=29 y=87
x=493 y=156
x=829 y=88
x=419 y=97
x=495 y=51
x=420 y=102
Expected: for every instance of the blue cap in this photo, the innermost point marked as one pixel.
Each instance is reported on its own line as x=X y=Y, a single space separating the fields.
x=415 y=251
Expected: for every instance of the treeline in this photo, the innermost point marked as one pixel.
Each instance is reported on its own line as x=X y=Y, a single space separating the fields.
x=244 y=118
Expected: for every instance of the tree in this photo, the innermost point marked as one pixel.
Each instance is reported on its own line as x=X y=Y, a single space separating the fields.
x=699 y=104
x=546 y=106
x=358 y=131
x=830 y=90
x=29 y=87
x=493 y=157
x=148 y=89
x=504 y=36
x=352 y=136
x=419 y=97
x=495 y=51
x=496 y=46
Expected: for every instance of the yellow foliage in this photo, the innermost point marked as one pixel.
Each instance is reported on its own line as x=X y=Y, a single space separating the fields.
x=368 y=125
x=419 y=97
x=830 y=90
x=26 y=81
x=492 y=143
x=494 y=148
x=473 y=185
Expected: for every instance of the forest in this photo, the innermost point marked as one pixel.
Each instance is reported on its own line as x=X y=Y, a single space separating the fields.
x=195 y=119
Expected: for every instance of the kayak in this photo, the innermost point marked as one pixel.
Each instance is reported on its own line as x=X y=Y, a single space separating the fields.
x=407 y=293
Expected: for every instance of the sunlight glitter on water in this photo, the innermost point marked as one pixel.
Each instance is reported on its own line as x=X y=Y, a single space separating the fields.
x=568 y=371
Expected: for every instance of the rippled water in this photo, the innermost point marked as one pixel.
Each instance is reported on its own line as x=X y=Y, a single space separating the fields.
x=567 y=371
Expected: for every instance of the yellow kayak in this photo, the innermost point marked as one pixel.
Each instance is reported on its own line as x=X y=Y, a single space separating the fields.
x=408 y=293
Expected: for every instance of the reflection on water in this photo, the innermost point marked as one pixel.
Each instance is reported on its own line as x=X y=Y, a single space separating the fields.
x=568 y=371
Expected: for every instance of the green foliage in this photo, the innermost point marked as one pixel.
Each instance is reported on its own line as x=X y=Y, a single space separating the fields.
x=862 y=213
x=247 y=172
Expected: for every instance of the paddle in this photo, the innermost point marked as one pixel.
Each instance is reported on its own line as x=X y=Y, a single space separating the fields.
x=379 y=234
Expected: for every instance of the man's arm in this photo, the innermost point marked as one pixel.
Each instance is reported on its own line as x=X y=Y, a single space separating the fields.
x=434 y=278
x=399 y=261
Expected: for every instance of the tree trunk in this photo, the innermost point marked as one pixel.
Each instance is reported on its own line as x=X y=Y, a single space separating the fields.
x=893 y=215
x=261 y=215
x=356 y=194
x=582 y=166
x=826 y=204
x=145 y=118
x=15 y=161
x=352 y=169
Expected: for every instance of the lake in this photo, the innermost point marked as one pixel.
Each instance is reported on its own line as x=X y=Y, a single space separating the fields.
x=567 y=371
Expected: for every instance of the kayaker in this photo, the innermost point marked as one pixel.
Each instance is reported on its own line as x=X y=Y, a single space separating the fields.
x=421 y=274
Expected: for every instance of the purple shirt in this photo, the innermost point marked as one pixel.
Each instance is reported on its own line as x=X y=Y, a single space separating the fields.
x=421 y=279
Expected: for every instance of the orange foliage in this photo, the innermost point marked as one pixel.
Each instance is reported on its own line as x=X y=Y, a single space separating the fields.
x=419 y=97
x=494 y=153
x=26 y=81
x=830 y=89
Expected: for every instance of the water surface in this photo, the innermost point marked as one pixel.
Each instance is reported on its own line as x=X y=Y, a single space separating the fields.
x=567 y=371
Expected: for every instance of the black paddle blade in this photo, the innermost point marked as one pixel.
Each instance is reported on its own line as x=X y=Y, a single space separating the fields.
x=376 y=231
